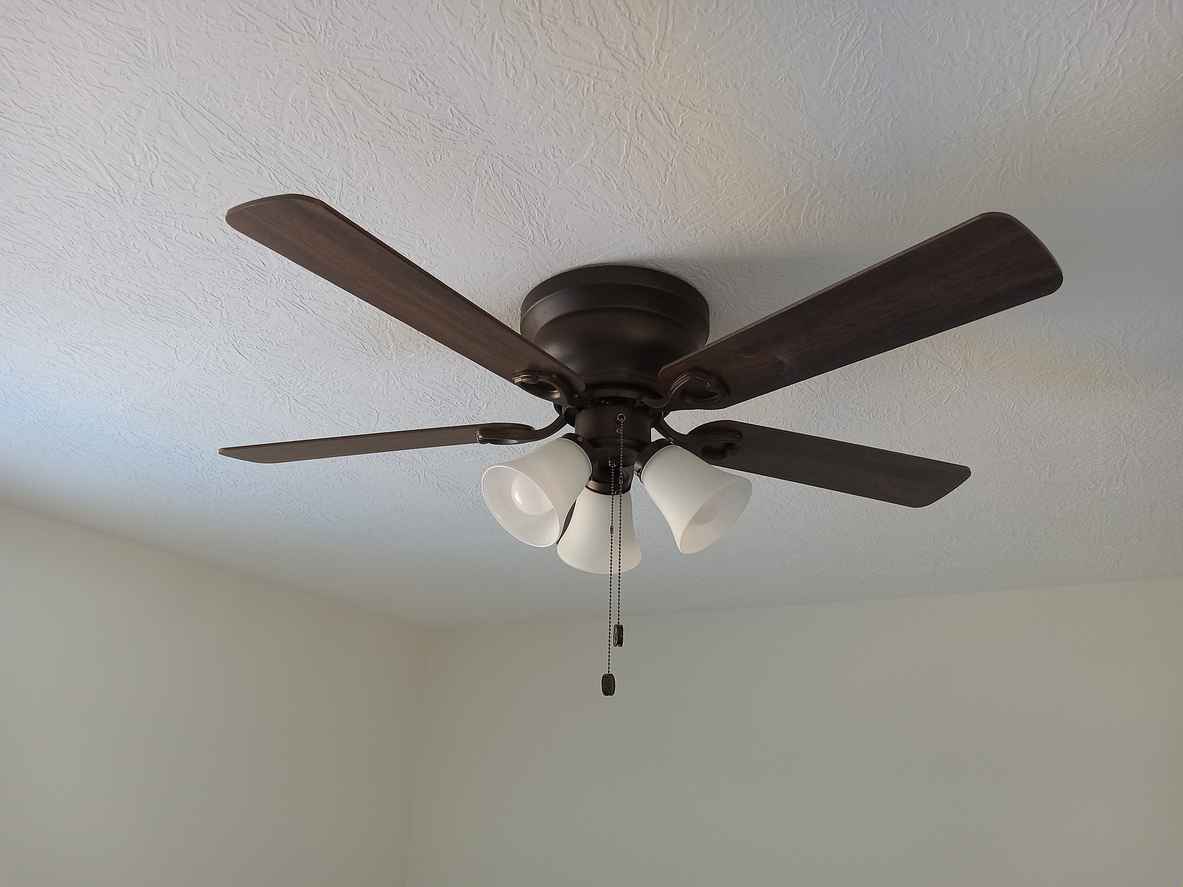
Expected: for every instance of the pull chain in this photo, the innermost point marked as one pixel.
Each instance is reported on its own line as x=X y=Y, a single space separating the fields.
x=618 y=628
x=608 y=681
x=615 y=555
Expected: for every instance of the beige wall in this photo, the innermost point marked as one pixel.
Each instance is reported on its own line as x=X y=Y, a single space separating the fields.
x=162 y=722
x=165 y=723
x=1004 y=738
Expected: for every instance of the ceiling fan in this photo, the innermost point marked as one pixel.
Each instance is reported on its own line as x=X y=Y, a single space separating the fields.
x=616 y=348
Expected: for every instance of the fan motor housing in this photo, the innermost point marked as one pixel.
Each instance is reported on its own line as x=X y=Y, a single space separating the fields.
x=616 y=325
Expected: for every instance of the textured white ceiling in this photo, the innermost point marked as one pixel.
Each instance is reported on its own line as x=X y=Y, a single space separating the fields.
x=759 y=150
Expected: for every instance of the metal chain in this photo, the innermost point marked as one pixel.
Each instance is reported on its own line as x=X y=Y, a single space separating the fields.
x=615 y=553
x=611 y=558
x=620 y=519
x=615 y=538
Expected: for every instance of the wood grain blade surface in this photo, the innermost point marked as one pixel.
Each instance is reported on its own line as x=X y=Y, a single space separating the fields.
x=985 y=265
x=315 y=236
x=359 y=444
x=830 y=464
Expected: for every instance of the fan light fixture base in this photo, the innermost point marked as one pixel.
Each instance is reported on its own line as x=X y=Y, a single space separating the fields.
x=616 y=325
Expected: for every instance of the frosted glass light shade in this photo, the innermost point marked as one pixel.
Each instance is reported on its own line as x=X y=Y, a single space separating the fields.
x=531 y=495
x=698 y=501
x=584 y=545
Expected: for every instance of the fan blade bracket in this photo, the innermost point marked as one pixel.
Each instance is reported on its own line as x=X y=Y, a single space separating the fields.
x=547 y=386
x=510 y=433
x=713 y=442
x=696 y=389
x=717 y=444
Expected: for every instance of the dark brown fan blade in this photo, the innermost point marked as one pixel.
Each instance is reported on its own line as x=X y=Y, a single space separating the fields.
x=829 y=464
x=383 y=442
x=985 y=265
x=314 y=235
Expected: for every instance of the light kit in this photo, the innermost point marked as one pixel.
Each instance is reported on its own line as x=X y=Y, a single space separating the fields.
x=543 y=497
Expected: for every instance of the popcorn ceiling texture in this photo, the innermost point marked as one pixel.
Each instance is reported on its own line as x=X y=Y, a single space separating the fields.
x=759 y=150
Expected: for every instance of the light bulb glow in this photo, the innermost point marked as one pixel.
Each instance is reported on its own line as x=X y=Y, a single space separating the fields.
x=528 y=496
